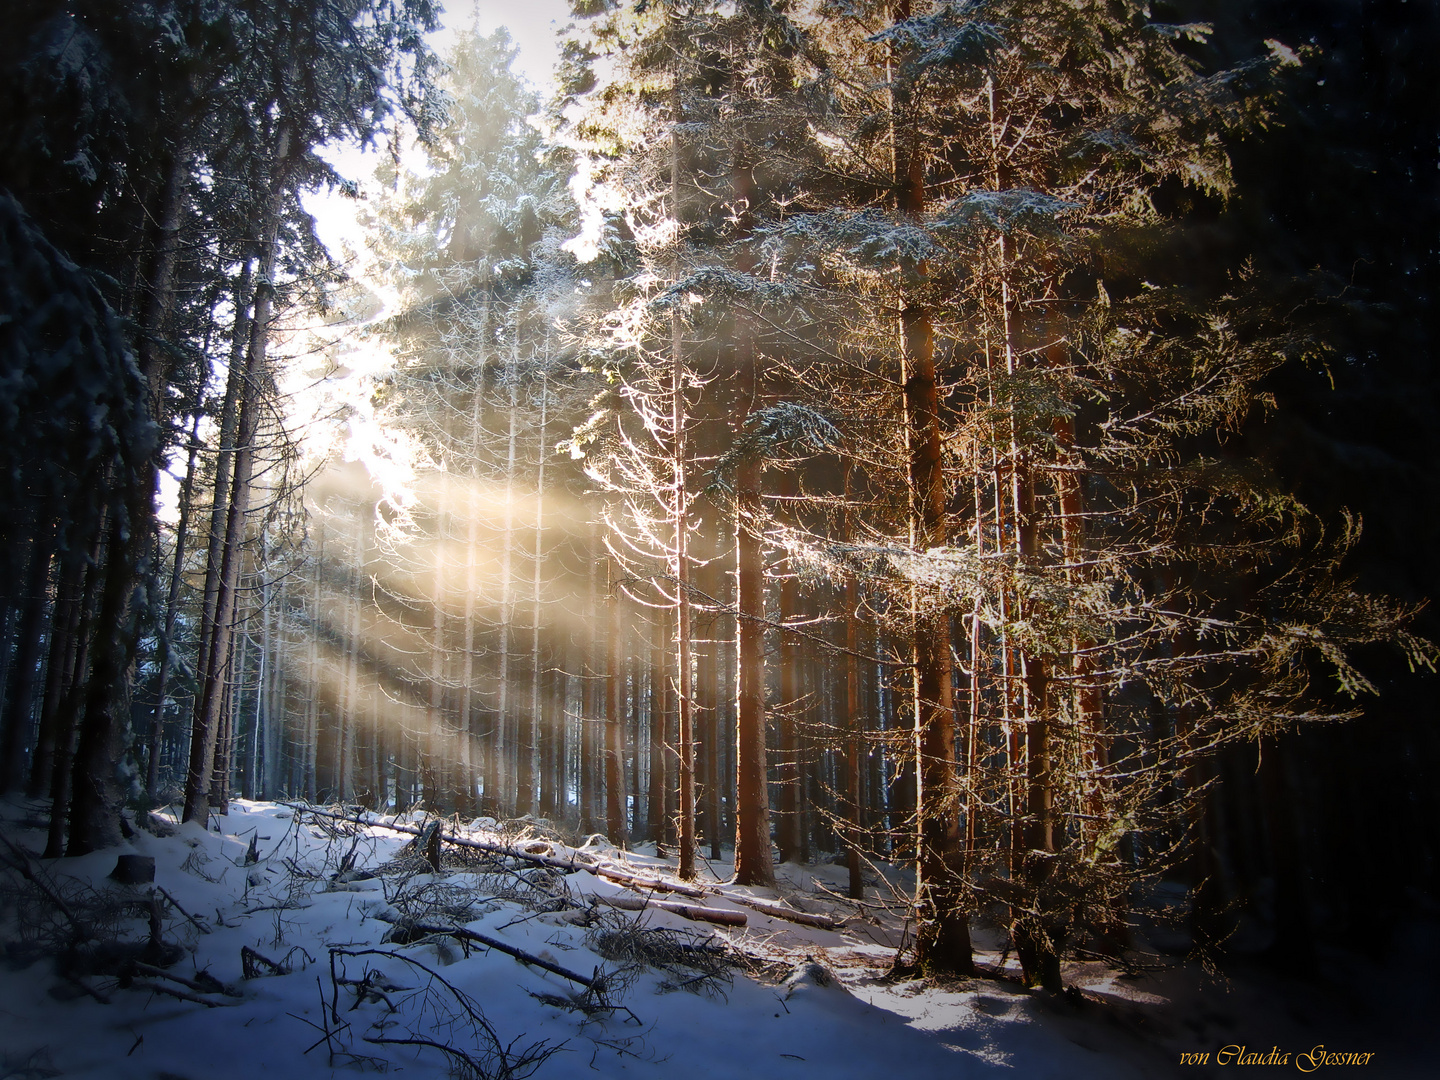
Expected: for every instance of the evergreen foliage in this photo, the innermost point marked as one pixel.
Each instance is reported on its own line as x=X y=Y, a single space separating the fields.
x=932 y=437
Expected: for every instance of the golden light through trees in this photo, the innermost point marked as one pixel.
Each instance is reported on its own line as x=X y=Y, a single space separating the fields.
x=808 y=427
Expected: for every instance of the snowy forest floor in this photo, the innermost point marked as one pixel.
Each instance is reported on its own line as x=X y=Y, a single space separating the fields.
x=283 y=944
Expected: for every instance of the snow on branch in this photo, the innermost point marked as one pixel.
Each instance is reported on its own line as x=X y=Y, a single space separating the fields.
x=776 y=431
x=1021 y=210
x=720 y=283
x=953 y=35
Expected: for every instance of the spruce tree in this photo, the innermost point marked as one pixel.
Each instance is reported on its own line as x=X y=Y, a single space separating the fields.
x=1077 y=407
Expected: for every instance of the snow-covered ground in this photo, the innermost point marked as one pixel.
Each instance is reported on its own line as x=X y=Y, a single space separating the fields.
x=199 y=1000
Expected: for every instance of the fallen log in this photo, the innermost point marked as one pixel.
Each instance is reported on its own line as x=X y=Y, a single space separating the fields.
x=463 y=933
x=693 y=912
x=573 y=863
x=824 y=922
x=633 y=881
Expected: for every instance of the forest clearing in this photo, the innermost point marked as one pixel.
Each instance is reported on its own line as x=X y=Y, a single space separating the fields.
x=921 y=514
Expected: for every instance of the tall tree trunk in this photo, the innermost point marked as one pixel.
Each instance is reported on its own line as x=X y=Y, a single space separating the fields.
x=535 y=729
x=659 y=762
x=172 y=605
x=707 y=764
x=206 y=726
x=235 y=388
x=364 y=723
x=69 y=708
x=1035 y=931
x=639 y=694
x=1086 y=699
x=311 y=743
x=788 y=831
x=615 y=719
x=29 y=634
x=65 y=622
x=432 y=767
x=97 y=796
x=942 y=932
x=244 y=742
x=465 y=794
x=754 y=862
x=684 y=692
x=505 y=799
x=854 y=794
x=970 y=756
x=265 y=718
x=160 y=277
x=591 y=718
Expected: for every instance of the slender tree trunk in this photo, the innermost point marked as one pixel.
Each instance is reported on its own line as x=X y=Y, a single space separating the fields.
x=684 y=691
x=160 y=275
x=615 y=719
x=591 y=719
x=1086 y=697
x=655 y=801
x=1035 y=932
x=714 y=761
x=640 y=695
x=788 y=832
x=230 y=674
x=172 y=605
x=29 y=634
x=753 y=859
x=505 y=801
x=432 y=765
x=266 y=719
x=754 y=862
x=708 y=750
x=235 y=388
x=311 y=748
x=942 y=932
x=973 y=719
x=465 y=801
x=59 y=666
x=243 y=742
x=535 y=729
x=214 y=694
x=854 y=801
x=207 y=716
x=364 y=723
x=71 y=703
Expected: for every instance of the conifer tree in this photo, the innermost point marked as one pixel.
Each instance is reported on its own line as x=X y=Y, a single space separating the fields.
x=1053 y=130
x=470 y=243
x=145 y=100
x=322 y=77
x=719 y=81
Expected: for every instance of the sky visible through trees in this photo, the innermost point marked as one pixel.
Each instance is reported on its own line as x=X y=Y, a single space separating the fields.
x=946 y=440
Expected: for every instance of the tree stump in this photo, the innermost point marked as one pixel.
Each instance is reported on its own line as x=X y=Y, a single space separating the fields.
x=134 y=870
